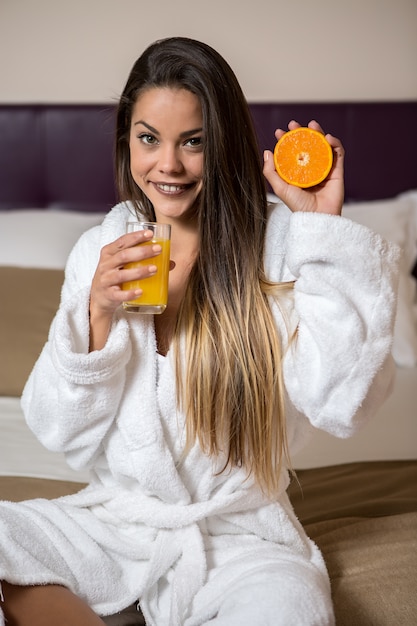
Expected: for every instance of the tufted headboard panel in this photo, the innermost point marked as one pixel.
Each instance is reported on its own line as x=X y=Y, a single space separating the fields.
x=61 y=156
x=54 y=156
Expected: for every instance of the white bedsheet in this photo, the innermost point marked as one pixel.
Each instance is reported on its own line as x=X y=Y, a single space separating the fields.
x=391 y=435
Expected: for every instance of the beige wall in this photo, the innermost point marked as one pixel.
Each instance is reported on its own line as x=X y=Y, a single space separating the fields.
x=282 y=50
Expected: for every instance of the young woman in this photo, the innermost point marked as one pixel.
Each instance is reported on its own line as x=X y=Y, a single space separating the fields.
x=278 y=318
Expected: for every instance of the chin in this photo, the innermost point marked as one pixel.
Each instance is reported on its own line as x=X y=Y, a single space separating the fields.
x=172 y=211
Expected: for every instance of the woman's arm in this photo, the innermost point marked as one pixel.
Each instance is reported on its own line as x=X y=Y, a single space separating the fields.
x=338 y=368
x=344 y=307
x=72 y=395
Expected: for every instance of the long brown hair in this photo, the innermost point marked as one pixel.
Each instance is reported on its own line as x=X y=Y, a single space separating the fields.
x=230 y=383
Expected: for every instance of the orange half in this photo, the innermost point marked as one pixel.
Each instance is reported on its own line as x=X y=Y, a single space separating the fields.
x=303 y=157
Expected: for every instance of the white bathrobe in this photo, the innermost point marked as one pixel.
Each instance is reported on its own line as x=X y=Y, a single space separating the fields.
x=193 y=545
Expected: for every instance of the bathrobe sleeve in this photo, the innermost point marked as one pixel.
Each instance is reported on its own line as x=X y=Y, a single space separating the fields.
x=72 y=396
x=337 y=367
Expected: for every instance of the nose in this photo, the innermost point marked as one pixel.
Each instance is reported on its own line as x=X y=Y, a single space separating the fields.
x=169 y=160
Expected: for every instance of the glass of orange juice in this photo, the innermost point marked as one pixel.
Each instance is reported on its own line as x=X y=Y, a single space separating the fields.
x=154 y=295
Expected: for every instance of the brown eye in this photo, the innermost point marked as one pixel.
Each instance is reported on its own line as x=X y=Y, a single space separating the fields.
x=147 y=138
x=194 y=142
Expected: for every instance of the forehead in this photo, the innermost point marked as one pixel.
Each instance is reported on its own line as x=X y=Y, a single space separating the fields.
x=167 y=103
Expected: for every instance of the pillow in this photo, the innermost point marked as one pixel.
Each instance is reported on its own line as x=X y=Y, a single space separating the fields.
x=29 y=302
x=36 y=238
x=394 y=219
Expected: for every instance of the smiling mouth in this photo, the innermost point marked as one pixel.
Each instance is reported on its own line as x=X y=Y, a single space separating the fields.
x=171 y=189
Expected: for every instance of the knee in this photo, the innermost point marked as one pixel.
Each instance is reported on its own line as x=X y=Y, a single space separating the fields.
x=296 y=598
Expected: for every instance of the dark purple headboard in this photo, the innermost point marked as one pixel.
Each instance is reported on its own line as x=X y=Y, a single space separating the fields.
x=61 y=156
x=380 y=139
x=57 y=156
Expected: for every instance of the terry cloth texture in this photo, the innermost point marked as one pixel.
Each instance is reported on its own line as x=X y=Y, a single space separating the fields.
x=196 y=545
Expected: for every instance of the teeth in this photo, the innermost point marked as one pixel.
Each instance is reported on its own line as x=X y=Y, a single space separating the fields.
x=170 y=188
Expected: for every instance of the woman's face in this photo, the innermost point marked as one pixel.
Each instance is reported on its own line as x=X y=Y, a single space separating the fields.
x=166 y=150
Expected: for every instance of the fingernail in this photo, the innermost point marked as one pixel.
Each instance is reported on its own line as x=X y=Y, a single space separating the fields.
x=266 y=155
x=152 y=269
x=156 y=248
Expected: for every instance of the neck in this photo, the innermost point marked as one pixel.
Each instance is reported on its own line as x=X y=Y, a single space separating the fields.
x=184 y=236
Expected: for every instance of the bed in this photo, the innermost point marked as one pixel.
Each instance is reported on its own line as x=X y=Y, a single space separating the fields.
x=357 y=498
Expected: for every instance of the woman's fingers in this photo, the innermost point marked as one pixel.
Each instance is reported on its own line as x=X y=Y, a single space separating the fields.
x=114 y=268
x=278 y=185
x=293 y=124
x=127 y=242
x=127 y=249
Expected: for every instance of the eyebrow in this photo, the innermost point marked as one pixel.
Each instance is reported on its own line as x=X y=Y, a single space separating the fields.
x=153 y=130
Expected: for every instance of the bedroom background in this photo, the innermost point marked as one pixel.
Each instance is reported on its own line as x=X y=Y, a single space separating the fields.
x=358 y=497
x=324 y=52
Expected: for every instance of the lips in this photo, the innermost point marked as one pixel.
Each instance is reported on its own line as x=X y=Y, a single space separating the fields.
x=171 y=189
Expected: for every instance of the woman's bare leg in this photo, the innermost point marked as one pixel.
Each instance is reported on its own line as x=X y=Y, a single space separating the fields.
x=45 y=605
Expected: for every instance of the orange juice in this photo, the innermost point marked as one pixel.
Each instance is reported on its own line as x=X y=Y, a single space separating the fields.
x=154 y=296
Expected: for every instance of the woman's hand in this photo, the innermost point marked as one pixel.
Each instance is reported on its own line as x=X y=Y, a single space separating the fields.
x=106 y=293
x=327 y=197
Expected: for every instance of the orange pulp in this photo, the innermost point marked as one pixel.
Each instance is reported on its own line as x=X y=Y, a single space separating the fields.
x=303 y=157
